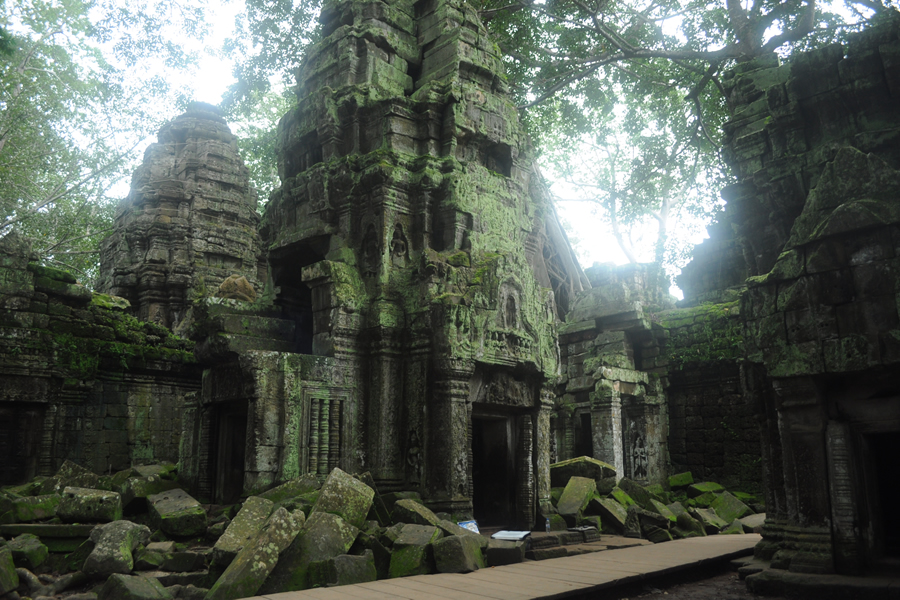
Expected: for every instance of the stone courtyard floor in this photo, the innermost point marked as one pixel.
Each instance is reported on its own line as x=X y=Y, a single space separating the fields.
x=610 y=573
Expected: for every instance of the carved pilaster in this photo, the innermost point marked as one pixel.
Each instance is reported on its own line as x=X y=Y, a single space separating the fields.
x=447 y=469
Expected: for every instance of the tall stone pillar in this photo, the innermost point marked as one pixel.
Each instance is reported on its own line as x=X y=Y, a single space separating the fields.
x=449 y=423
x=606 y=424
x=542 y=441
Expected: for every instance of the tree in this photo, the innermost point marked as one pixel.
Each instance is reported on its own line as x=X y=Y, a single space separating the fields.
x=73 y=114
x=632 y=86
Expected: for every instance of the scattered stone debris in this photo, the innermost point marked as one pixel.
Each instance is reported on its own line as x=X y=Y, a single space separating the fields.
x=304 y=533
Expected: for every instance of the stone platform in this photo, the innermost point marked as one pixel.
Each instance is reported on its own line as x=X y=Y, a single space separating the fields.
x=571 y=576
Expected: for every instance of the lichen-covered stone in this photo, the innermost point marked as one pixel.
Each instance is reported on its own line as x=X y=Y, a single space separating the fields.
x=177 y=514
x=36 y=508
x=735 y=527
x=622 y=497
x=575 y=498
x=249 y=569
x=323 y=536
x=133 y=587
x=582 y=466
x=114 y=544
x=450 y=528
x=457 y=554
x=729 y=508
x=413 y=553
x=146 y=486
x=637 y=493
x=686 y=526
x=663 y=510
x=346 y=497
x=410 y=511
x=681 y=480
x=27 y=551
x=698 y=489
x=9 y=579
x=70 y=474
x=343 y=569
x=711 y=522
x=292 y=489
x=83 y=505
x=502 y=552
x=612 y=514
x=246 y=524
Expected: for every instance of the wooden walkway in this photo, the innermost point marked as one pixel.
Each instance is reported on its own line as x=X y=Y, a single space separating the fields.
x=553 y=578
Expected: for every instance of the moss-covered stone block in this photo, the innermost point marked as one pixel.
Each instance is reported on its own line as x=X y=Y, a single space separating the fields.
x=575 y=498
x=244 y=527
x=35 y=508
x=583 y=466
x=457 y=554
x=27 y=551
x=133 y=587
x=637 y=493
x=292 y=489
x=704 y=487
x=177 y=514
x=729 y=508
x=410 y=511
x=345 y=496
x=9 y=579
x=83 y=505
x=114 y=544
x=612 y=513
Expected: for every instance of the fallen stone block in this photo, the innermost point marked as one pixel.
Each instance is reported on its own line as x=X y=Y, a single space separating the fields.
x=681 y=480
x=253 y=564
x=502 y=552
x=711 y=522
x=381 y=556
x=735 y=527
x=323 y=536
x=575 y=498
x=70 y=474
x=687 y=526
x=75 y=559
x=246 y=524
x=183 y=562
x=187 y=592
x=622 y=497
x=582 y=466
x=141 y=488
x=36 y=508
x=569 y=538
x=391 y=498
x=346 y=497
x=379 y=509
x=292 y=489
x=457 y=554
x=410 y=511
x=753 y=523
x=177 y=514
x=344 y=569
x=557 y=523
x=612 y=514
x=80 y=505
x=546 y=553
x=133 y=587
x=27 y=551
x=637 y=493
x=698 y=489
x=451 y=528
x=413 y=554
x=114 y=544
x=9 y=579
x=663 y=510
x=703 y=500
x=729 y=508
x=550 y=540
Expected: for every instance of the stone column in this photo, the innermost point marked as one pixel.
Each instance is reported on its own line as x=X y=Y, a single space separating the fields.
x=606 y=423
x=542 y=441
x=447 y=451
x=384 y=409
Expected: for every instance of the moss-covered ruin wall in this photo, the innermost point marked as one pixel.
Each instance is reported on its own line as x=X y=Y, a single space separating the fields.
x=81 y=378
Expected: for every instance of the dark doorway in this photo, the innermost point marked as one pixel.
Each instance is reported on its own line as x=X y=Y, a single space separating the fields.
x=584 y=442
x=230 y=451
x=884 y=448
x=493 y=471
x=20 y=435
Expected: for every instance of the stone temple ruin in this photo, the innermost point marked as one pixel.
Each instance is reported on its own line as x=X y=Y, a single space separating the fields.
x=408 y=305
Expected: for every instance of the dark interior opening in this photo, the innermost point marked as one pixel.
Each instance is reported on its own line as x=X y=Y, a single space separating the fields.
x=493 y=471
x=229 y=451
x=584 y=442
x=295 y=296
x=885 y=450
x=20 y=436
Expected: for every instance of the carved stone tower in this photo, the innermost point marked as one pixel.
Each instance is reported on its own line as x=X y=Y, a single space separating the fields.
x=188 y=223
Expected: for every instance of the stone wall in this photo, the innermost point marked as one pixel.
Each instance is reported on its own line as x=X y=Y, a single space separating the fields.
x=80 y=379
x=713 y=432
x=815 y=146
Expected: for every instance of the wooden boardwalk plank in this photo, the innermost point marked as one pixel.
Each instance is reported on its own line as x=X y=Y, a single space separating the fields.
x=552 y=578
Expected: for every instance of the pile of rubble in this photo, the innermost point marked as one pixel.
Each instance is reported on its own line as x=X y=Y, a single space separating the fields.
x=587 y=492
x=136 y=535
